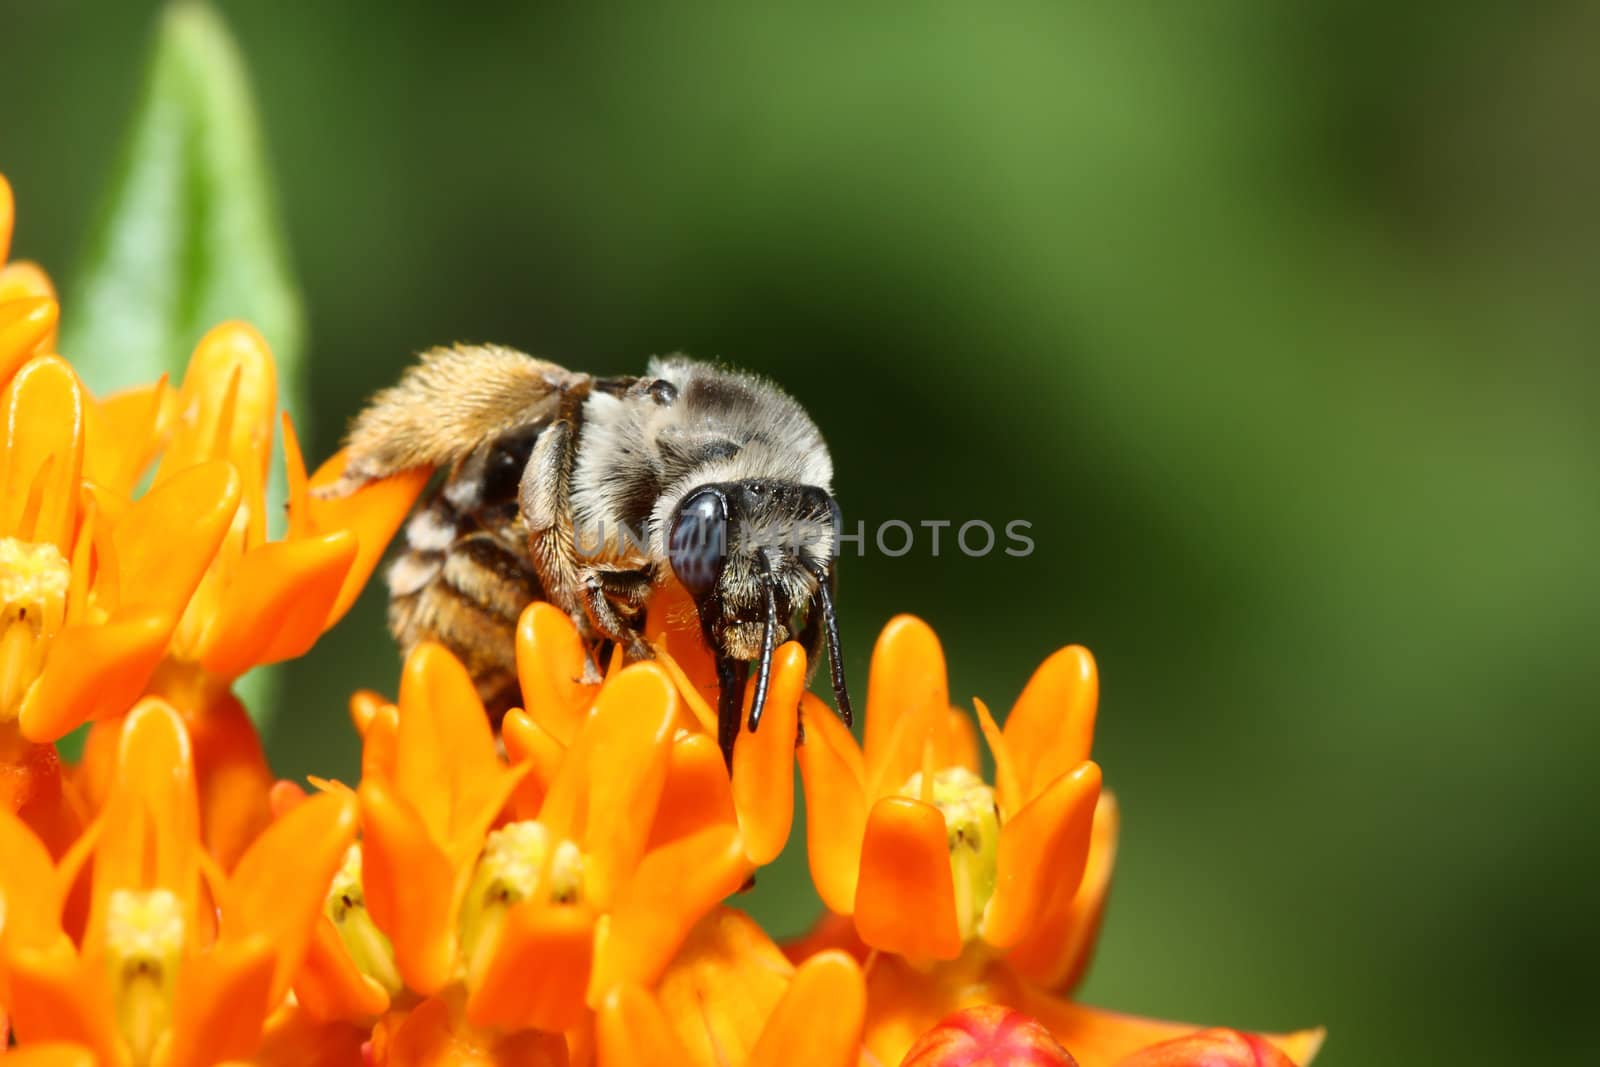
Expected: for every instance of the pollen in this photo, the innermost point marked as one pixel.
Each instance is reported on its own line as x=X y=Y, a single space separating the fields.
x=346 y=906
x=33 y=604
x=972 y=822
x=144 y=944
x=521 y=861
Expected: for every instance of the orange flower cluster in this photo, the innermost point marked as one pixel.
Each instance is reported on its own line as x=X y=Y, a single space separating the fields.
x=557 y=895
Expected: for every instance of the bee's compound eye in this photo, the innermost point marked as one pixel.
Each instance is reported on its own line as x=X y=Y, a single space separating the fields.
x=698 y=542
x=663 y=392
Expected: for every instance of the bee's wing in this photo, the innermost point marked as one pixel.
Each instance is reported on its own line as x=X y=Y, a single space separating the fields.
x=447 y=405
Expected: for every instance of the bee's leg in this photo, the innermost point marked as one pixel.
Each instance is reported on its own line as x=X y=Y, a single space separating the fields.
x=601 y=591
x=545 y=509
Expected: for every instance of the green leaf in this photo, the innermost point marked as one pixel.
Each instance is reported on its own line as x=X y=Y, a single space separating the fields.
x=188 y=237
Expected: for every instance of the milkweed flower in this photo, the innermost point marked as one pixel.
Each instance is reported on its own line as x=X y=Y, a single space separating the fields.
x=176 y=592
x=967 y=892
x=88 y=593
x=248 y=601
x=731 y=998
x=906 y=836
x=509 y=895
x=176 y=963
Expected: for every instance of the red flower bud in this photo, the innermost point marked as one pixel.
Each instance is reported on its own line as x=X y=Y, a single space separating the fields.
x=1211 y=1048
x=988 y=1036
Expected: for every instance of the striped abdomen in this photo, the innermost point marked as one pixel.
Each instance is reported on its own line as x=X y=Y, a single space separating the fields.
x=465 y=577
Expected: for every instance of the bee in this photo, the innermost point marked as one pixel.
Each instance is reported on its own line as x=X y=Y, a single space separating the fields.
x=590 y=493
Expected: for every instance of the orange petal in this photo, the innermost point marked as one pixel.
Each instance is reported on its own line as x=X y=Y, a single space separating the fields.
x=904 y=1000
x=722 y=988
x=93 y=672
x=696 y=794
x=529 y=743
x=123 y=432
x=51 y=1054
x=379 y=744
x=169 y=537
x=673 y=628
x=551 y=661
x=277 y=602
x=373 y=513
x=445 y=758
x=32 y=907
x=697 y=700
x=226 y=406
x=43 y=455
x=90 y=530
x=295 y=1038
x=21 y=278
x=632 y=1028
x=31 y=788
x=1057 y=951
x=1101 y=1038
x=364 y=707
x=25 y=325
x=607 y=790
x=539 y=971
x=233 y=774
x=1051 y=727
x=433 y=1034
x=330 y=986
x=836 y=807
x=905 y=896
x=410 y=887
x=151 y=838
x=818 y=1022
x=906 y=697
x=280 y=882
x=955 y=742
x=1043 y=851
x=673 y=887
x=54 y=995
x=763 y=762
x=830 y=931
x=1008 y=791
x=221 y=1003
x=299 y=487
x=285 y=796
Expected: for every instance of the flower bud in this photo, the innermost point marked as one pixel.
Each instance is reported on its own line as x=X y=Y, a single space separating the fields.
x=988 y=1035
x=1211 y=1048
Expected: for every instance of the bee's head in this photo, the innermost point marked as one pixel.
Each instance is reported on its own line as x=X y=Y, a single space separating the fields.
x=757 y=556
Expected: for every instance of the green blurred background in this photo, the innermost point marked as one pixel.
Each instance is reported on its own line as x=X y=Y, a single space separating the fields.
x=1279 y=323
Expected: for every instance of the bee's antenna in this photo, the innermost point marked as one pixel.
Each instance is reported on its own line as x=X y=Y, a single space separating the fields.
x=830 y=620
x=768 y=642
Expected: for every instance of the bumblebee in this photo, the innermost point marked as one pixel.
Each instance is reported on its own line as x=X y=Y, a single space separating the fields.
x=590 y=493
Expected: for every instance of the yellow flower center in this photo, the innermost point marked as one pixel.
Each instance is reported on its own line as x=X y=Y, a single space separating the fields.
x=972 y=821
x=33 y=605
x=346 y=905
x=144 y=944
x=521 y=861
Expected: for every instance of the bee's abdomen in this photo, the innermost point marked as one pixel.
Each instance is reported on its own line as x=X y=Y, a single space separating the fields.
x=463 y=581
